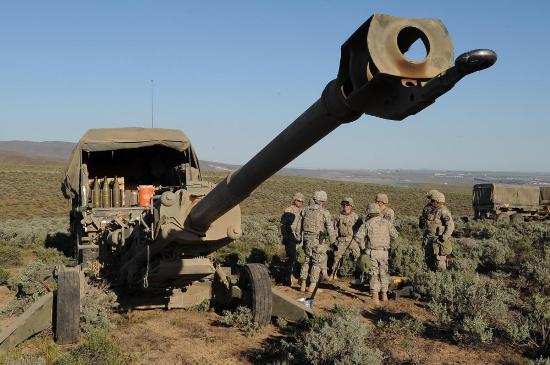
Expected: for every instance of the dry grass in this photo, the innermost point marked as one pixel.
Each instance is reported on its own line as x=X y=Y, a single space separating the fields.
x=275 y=195
x=31 y=191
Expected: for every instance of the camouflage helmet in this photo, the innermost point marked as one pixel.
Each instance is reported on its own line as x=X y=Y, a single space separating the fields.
x=298 y=196
x=430 y=193
x=373 y=208
x=438 y=197
x=320 y=196
x=347 y=201
x=364 y=263
x=383 y=198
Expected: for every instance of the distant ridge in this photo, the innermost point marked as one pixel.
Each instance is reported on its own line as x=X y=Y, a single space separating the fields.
x=54 y=150
x=14 y=158
x=57 y=152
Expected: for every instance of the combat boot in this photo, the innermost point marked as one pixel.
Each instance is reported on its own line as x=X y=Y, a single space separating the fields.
x=384 y=296
x=311 y=287
x=293 y=281
x=303 y=285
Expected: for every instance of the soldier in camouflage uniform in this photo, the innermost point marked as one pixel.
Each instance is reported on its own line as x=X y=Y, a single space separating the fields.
x=437 y=234
x=291 y=222
x=385 y=211
x=423 y=219
x=374 y=238
x=316 y=226
x=347 y=223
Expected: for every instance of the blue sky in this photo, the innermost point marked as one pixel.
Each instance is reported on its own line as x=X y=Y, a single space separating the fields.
x=232 y=75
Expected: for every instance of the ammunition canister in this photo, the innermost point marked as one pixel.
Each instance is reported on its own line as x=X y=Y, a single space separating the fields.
x=106 y=194
x=134 y=200
x=117 y=200
x=96 y=194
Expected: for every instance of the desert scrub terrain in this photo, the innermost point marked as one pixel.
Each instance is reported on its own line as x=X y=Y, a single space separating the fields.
x=492 y=306
x=31 y=192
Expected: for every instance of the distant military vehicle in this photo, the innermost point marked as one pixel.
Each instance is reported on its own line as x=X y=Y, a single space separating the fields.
x=507 y=202
x=144 y=218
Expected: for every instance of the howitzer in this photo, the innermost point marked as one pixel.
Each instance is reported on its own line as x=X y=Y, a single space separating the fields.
x=161 y=238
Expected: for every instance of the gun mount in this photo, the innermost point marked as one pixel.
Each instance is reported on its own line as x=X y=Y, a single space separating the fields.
x=141 y=209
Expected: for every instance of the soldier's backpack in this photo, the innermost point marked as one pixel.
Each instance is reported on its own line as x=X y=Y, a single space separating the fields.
x=313 y=220
x=363 y=263
x=446 y=248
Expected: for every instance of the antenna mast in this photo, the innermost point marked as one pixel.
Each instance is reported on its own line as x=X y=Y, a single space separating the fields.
x=152 y=103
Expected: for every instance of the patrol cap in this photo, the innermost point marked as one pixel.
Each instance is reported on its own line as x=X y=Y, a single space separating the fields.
x=382 y=198
x=347 y=201
x=373 y=208
x=299 y=197
x=438 y=197
x=430 y=193
x=320 y=196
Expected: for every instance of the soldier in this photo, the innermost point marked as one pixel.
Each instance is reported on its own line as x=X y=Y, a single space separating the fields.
x=385 y=211
x=437 y=234
x=291 y=222
x=374 y=238
x=316 y=225
x=423 y=219
x=347 y=223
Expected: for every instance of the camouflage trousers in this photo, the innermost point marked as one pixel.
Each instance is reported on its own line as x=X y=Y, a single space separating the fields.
x=315 y=262
x=434 y=260
x=291 y=262
x=342 y=248
x=379 y=275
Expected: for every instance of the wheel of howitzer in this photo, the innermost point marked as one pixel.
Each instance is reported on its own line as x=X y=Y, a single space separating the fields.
x=516 y=218
x=503 y=217
x=256 y=286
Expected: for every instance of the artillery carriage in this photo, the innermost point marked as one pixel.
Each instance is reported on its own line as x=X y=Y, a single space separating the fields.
x=143 y=217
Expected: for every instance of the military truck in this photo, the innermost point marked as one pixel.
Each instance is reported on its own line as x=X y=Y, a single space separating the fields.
x=511 y=203
x=143 y=217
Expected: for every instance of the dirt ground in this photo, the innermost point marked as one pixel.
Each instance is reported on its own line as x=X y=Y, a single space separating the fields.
x=188 y=337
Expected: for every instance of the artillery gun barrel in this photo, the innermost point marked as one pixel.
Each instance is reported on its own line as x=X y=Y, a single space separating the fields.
x=325 y=115
x=375 y=78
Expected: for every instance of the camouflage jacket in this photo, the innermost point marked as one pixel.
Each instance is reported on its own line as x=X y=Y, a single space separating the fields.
x=376 y=234
x=439 y=223
x=347 y=224
x=316 y=221
x=291 y=221
x=388 y=214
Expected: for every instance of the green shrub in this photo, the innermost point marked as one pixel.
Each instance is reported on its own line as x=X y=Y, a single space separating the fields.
x=469 y=306
x=52 y=256
x=260 y=243
x=24 y=232
x=10 y=255
x=338 y=338
x=408 y=326
x=29 y=285
x=94 y=308
x=541 y=361
x=537 y=269
x=407 y=258
x=4 y=276
x=241 y=318
x=534 y=328
x=98 y=349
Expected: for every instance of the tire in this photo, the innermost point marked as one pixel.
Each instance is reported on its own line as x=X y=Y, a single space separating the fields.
x=503 y=217
x=255 y=284
x=516 y=218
